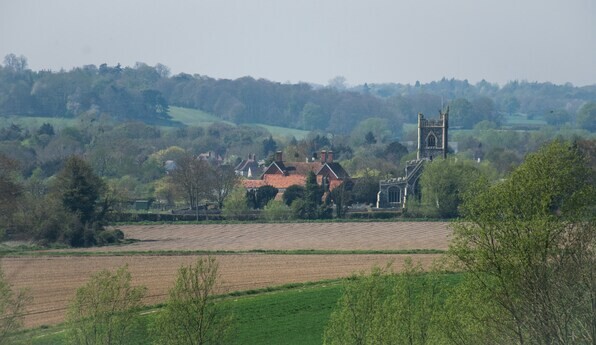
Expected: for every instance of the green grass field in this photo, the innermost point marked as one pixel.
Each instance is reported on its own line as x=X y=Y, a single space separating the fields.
x=523 y=120
x=293 y=316
x=194 y=117
x=283 y=131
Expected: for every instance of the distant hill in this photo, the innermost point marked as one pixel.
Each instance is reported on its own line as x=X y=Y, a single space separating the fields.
x=151 y=95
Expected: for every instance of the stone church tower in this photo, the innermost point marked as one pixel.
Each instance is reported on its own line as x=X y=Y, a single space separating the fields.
x=432 y=136
x=432 y=143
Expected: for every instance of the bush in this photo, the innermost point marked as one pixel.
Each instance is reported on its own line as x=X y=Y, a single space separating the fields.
x=105 y=310
x=292 y=193
x=277 y=211
x=191 y=315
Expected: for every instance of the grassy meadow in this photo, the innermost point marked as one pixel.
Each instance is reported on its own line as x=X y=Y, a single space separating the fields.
x=287 y=316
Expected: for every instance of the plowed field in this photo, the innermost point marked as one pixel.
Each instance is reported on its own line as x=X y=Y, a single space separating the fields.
x=52 y=281
x=287 y=236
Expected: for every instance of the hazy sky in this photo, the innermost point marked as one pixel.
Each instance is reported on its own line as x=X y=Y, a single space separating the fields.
x=313 y=40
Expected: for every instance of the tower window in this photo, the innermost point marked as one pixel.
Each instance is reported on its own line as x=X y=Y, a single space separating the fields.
x=431 y=140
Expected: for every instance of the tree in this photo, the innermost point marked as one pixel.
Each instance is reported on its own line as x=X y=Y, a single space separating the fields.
x=259 y=197
x=369 y=138
x=388 y=308
x=360 y=311
x=105 y=310
x=313 y=194
x=15 y=63
x=224 y=181
x=276 y=210
x=527 y=245
x=313 y=117
x=269 y=145
x=461 y=113
x=586 y=116
x=557 y=117
x=365 y=189
x=444 y=183
x=10 y=191
x=341 y=197
x=11 y=309
x=292 y=193
x=191 y=316
x=192 y=177
x=79 y=189
x=236 y=205
x=395 y=151
x=510 y=105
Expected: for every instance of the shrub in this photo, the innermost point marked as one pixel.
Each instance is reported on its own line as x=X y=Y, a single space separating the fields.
x=276 y=210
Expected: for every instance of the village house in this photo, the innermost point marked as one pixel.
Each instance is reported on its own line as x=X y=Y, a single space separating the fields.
x=249 y=168
x=281 y=174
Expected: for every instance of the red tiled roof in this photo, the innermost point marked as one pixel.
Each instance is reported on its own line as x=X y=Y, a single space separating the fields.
x=302 y=168
x=283 y=182
x=253 y=183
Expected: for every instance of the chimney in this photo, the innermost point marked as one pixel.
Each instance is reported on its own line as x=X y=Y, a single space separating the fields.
x=329 y=156
x=323 y=156
x=278 y=156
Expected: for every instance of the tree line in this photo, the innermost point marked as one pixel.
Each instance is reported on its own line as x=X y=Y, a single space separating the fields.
x=145 y=92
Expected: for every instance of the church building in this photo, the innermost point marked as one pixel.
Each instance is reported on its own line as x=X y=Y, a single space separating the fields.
x=432 y=144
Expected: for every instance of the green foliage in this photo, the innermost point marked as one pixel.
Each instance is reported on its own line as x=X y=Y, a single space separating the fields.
x=365 y=190
x=360 y=312
x=387 y=308
x=105 y=310
x=370 y=131
x=277 y=211
x=11 y=309
x=292 y=193
x=586 y=116
x=342 y=198
x=528 y=245
x=557 y=117
x=261 y=196
x=461 y=113
x=79 y=189
x=191 y=316
x=10 y=190
x=236 y=205
x=395 y=151
x=445 y=181
x=311 y=205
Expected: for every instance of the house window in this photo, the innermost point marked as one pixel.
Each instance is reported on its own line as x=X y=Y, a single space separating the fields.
x=431 y=141
x=394 y=194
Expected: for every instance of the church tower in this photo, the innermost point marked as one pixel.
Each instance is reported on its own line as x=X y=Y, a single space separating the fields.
x=432 y=136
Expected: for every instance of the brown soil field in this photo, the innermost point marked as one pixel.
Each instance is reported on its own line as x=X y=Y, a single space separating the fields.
x=286 y=236
x=52 y=281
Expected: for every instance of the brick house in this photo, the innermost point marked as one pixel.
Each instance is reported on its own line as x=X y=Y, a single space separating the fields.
x=281 y=174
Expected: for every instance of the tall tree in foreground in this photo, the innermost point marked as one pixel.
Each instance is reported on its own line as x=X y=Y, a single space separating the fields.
x=528 y=246
x=105 y=310
x=388 y=308
x=191 y=316
x=11 y=309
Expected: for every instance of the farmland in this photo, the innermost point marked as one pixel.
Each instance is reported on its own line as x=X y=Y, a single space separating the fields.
x=53 y=280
